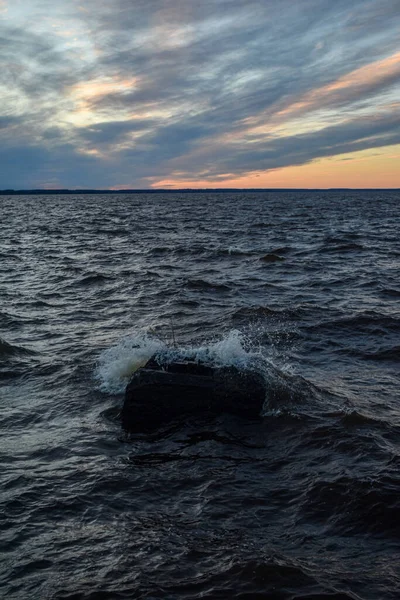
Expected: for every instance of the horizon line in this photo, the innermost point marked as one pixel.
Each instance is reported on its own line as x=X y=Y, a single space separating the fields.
x=34 y=191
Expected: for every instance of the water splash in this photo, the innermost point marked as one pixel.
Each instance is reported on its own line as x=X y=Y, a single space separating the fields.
x=117 y=364
x=234 y=349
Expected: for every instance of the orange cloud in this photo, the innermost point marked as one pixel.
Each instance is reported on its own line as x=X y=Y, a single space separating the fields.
x=353 y=84
x=88 y=90
x=83 y=94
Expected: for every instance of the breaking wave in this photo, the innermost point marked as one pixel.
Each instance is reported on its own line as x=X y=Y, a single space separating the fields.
x=286 y=393
x=117 y=364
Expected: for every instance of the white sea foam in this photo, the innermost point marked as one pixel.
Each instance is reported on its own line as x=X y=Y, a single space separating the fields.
x=232 y=349
x=116 y=365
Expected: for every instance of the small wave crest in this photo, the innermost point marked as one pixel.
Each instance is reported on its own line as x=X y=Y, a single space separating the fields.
x=271 y=258
x=234 y=349
x=92 y=278
x=117 y=364
x=7 y=349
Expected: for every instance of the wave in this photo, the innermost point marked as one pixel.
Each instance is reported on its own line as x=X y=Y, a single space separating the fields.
x=390 y=354
x=237 y=251
x=93 y=278
x=261 y=225
x=109 y=231
x=363 y=321
x=211 y=251
x=202 y=284
x=348 y=505
x=390 y=292
x=282 y=250
x=355 y=418
x=271 y=258
x=10 y=256
x=343 y=237
x=117 y=364
x=215 y=252
x=160 y=250
x=8 y=320
x=233 y=251
x=7 y=349
x=383 y=354
x=341 y=247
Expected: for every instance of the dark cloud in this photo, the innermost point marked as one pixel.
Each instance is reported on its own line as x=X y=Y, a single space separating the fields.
x=37 y=166
x=32 y=63
x=6 y=122
x=112 y=131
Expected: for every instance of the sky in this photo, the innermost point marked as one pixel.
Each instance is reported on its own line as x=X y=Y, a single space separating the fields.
x=117 y=94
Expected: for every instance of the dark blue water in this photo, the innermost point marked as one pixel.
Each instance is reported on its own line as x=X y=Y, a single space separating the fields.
x=303 y=503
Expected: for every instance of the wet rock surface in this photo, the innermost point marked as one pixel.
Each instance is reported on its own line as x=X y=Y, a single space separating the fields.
x=158 y=393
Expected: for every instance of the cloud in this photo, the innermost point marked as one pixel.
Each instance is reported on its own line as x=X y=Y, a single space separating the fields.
x=113 y=131
x=351 y=87
x=139 y=92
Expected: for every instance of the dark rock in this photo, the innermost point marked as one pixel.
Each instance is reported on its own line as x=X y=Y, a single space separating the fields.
x=158 y=393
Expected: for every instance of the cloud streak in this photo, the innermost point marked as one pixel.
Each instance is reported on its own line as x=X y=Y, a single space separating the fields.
x=108 y=94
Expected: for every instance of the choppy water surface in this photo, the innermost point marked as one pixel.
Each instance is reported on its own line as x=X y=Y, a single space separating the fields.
x=301 y=503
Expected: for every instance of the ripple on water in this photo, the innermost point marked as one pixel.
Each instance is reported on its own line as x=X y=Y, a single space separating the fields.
x=207 y=506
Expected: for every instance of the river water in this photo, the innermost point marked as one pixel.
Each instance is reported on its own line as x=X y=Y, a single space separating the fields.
x=300 y=503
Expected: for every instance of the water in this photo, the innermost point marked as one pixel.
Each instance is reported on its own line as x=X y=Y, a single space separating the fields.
x=301 y=503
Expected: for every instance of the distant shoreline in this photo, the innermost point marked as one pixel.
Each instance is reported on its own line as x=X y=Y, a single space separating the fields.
x=36 y=192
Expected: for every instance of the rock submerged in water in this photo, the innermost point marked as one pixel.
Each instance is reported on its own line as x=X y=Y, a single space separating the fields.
x=158 y=393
